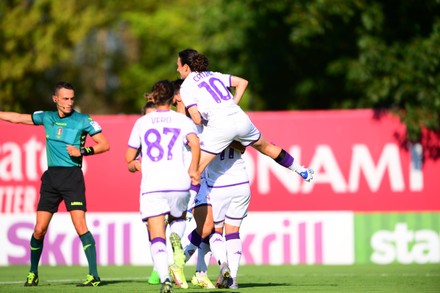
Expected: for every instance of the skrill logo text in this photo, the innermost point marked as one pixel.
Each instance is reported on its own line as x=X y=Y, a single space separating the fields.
x=65 y=248
x=286 y=241
x=298 y=238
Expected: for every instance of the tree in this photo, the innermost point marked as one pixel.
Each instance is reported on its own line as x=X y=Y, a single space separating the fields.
x=399 y=68
x=324 y=54
x=37 y=40
x=304 y=54
x=112 y=51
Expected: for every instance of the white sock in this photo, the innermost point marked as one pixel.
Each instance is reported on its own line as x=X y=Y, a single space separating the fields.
x=297 y=167
x=218 y=247
x=178 y=227
x=234 y=251
x=160 y=257
x=208 y=257
x=286 y=160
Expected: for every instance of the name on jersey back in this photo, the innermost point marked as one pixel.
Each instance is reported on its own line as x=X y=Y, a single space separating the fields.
x=166 y=119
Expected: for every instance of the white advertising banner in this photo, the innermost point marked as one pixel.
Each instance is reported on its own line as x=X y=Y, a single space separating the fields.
x=122 y=239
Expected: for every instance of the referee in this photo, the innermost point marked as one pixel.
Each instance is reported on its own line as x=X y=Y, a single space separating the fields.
x=66 y=131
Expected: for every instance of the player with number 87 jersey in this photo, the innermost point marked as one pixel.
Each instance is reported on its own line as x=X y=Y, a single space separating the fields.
x=162 y=136
x=166 y=179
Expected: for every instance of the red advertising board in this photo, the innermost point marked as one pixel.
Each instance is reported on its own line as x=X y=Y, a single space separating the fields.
x=362 y=164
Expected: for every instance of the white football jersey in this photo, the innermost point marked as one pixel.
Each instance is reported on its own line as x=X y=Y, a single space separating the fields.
x=226 y=120
x=162 y=135
x=227 y=168
x=209 y=91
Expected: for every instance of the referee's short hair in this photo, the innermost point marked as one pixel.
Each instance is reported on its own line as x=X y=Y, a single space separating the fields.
x=62 y=85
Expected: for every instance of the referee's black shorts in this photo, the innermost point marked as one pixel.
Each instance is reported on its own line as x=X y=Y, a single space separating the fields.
x=62 y=183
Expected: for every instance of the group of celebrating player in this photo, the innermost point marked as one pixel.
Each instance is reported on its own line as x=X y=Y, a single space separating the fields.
x=191 y=160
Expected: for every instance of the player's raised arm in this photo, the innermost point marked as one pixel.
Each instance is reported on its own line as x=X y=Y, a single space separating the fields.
x=18 y=118
x=240 y=85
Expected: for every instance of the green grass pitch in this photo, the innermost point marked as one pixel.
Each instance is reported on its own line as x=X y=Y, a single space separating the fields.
x=262 y=278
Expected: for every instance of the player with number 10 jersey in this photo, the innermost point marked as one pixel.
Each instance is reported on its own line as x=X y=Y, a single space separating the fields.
x=208 y=90
x=215 y=103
